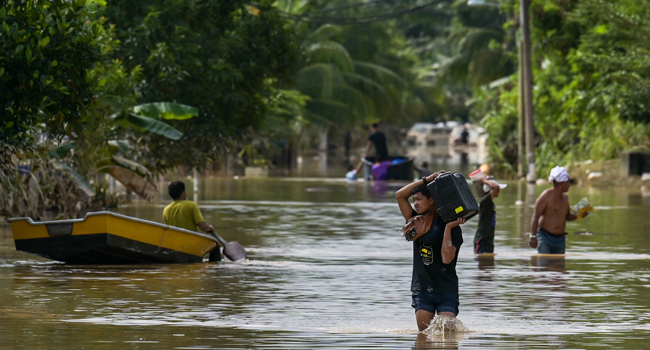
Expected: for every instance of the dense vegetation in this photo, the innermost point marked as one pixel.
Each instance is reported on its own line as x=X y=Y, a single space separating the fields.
x=591 y=69
x=134 y=89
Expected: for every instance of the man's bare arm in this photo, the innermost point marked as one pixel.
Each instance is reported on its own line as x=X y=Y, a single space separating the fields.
x=205 y=227
x=402 y=196
x=448 y=250
x=540 y=206
x=494 y=187
x=569 y=216
x=404 y=193
x=358 y=169
x=368 y=148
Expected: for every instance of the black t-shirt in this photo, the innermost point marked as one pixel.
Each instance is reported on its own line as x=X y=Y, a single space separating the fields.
x=379 y=140
x=429 y=273
x=487 y=219
x=464 y=137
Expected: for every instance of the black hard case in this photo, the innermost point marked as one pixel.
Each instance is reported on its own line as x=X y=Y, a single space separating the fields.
x=453 y=197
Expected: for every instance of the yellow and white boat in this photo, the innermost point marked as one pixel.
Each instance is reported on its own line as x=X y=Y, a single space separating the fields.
x=110 y=238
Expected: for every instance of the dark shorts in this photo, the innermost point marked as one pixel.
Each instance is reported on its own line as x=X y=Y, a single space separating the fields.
x=433 y=302
x=482 y=246
x=550 y=244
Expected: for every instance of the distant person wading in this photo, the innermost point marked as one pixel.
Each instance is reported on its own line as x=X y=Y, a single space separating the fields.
x=552 y=211
x=487 y=190
x=434 y=283
x=378 y=139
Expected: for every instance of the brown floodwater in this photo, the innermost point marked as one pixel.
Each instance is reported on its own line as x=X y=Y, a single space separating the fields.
x=328 y=269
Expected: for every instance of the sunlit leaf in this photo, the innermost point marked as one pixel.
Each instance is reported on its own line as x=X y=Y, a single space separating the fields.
x=131 y=165
x=120 y=145
x=153 y=125
x=62 y=150
x=166 y=110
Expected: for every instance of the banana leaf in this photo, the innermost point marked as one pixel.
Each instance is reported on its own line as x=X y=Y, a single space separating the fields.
x=123 y=146
x=78 y=179
x=134 y=182
x=61 y=151
x=166 y=110
x=151 y=125
x=131 y=165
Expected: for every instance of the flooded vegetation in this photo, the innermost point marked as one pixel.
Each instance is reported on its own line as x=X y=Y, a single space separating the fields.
x=102 y=98
x=327 y=268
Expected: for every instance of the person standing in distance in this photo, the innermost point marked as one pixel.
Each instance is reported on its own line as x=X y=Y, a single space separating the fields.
x=353 y=172
x=423 y=170
x=378 y=139
x=464 y=137
x=487 y=215
x=552 y=211
x=183 y=213
x=434 y=282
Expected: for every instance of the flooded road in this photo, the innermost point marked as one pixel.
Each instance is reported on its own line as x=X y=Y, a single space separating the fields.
x=328 y=269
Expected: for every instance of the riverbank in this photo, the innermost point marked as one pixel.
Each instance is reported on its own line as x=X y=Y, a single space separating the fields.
x=604 y=174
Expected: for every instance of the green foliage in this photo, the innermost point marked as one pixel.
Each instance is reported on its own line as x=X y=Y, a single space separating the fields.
x=353 y=75
x=225 y=58
x=46 y=48
x=277 y=136
x=51 y=190
x=148 y=124
x=166 y=110
x=458 y=49
x=592 y=72
x=61 y=151
x=109 y=154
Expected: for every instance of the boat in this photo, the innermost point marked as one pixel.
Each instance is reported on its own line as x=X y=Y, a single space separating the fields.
x=476 y=136
x=441 y=143
x=400 y=168
x=108 y=238
x=429 y=135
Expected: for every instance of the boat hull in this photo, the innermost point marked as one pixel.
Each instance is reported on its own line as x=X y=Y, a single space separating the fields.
x=110 y=238
x=398 y=171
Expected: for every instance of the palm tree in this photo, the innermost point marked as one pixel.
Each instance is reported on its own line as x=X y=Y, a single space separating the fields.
x=343 y=91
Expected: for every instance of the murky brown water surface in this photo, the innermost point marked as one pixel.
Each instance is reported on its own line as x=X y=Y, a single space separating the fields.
x=327 y=269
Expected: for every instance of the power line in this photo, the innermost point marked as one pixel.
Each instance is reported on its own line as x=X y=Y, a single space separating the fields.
x=357 y=20
x=362 y=4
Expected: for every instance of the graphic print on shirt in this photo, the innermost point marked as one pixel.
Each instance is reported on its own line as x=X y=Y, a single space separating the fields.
x=426 y=253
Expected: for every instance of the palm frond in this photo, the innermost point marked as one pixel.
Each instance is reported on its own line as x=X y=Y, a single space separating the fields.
x=322 y=75
x=324 y=32
x=329 y=52
x=477 y=40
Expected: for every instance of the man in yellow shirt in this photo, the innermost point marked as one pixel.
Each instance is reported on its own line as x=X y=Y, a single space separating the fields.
x=183 y=213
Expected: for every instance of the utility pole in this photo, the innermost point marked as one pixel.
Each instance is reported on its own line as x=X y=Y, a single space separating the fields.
x=528 y=89
x=521 y=152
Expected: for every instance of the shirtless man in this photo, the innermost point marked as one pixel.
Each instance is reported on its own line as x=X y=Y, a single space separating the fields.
x=551 y=214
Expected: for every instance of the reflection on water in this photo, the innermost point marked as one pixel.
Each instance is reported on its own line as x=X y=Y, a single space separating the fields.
x=328 y=269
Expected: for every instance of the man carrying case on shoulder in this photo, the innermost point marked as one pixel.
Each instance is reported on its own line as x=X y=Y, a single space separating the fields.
x=434 y=284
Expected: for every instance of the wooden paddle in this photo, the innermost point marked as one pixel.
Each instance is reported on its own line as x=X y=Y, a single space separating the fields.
x=233 y=250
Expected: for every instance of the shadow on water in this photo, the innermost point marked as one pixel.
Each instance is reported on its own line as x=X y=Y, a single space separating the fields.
x=328 y=269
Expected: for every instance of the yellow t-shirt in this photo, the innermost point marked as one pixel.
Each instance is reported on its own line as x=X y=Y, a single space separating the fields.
x=184 y=214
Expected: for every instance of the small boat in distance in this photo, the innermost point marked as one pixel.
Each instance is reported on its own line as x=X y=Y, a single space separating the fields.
x=400 y=168
x=106 y=238
x=429 y=135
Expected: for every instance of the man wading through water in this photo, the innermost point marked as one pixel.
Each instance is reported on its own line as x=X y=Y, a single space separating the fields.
x=434 y=285
x=552 y=211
